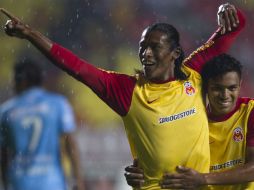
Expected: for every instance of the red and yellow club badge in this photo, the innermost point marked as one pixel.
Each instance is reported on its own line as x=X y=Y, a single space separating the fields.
x=238 y=134
x=188 y=88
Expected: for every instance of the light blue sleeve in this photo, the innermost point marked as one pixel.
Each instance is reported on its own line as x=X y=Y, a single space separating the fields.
x=67 y=119
x=1 y=127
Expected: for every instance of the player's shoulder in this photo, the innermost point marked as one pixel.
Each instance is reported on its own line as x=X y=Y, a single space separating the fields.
x=246 y=100
x=7 y=105
x=57 y=98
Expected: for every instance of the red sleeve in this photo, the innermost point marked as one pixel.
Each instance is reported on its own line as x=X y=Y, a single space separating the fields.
x=217 y=44
x=113 y=88
x=250 y=131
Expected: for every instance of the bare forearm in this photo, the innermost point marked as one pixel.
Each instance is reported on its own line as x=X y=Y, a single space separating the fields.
x=74 y=156
x=41 y=42
x=4 y=165
x=241 y=174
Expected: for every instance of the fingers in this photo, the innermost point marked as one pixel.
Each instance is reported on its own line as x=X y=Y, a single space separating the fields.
x=9 y=15
x=231 y=16
x=171 y=184
x=134 y=172
x=182 y=169
x=135 y=162
x=134 y=179
x=133 y=169
x=172 y=176
x=9 y=28
x=134 y=175
x=235 y=16
x=227 y=17
x=221 y=23
x=227 y=20
x=176 y=184
x=135 y=183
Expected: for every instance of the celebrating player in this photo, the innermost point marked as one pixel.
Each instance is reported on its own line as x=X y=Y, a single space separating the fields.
x=162 y=106
x=231 y=126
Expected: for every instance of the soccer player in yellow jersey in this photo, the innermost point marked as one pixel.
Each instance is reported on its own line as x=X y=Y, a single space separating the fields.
x=161 y=107
x=231 y=129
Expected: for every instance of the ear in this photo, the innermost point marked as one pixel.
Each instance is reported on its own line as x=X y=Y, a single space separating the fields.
x=176 y=52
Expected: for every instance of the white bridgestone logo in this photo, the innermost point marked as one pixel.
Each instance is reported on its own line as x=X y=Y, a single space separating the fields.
x=177 y=116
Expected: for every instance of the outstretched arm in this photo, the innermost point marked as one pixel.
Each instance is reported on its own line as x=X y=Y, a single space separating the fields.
x=231 y=22
x=113 y=88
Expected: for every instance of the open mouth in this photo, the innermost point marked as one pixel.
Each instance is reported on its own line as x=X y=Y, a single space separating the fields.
x=148 y=63
x=224 y=104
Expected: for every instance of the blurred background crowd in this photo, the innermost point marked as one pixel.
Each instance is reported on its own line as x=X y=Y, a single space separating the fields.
x=106 y=33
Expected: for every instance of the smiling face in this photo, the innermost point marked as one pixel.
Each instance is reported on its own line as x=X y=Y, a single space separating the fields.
x=156 y=56
x=223 y=92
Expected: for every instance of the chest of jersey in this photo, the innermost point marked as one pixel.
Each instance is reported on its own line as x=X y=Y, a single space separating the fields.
x=167 y=126
x=228 y=144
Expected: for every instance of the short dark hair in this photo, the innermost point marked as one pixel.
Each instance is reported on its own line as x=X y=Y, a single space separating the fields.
x=27 y=70
x=174 y=41
x=219 y=66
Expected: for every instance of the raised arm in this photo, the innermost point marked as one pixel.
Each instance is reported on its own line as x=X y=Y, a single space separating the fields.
x=231 y=21
x=114 y=89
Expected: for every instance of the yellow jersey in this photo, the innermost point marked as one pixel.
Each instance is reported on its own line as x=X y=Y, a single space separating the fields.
x=228 y=141
x=166 y=124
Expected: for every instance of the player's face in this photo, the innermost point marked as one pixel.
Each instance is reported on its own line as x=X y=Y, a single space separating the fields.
x=223 y=92
x=156 y=56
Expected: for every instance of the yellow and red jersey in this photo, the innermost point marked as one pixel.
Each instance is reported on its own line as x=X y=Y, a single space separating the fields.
x=167 y=126
x=166 y=123
x=229 y=137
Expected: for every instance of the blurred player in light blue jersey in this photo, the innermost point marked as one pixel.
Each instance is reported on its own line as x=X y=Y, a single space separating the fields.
x=31 y=126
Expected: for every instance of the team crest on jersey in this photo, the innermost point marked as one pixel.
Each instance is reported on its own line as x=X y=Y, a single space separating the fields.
x=238 y=134
x=188 y=88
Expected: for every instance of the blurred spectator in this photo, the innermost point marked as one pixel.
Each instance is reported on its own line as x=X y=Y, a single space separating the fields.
x=31 y=125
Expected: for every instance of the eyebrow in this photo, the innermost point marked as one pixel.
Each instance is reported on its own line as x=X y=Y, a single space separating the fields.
x=220 y=85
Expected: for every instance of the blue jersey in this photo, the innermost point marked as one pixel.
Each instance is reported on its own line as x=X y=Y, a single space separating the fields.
x=30 y=127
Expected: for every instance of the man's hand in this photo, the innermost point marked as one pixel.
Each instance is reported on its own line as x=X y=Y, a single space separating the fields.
x=134 y=175
x=185 y=178
x=14 y=26
x=227 y=17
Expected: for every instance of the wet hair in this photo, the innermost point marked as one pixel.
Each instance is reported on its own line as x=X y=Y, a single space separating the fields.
x=28 y=71
x=173 y=39
x=219 y=66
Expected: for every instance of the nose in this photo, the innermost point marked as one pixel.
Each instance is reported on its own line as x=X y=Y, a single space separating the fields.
x=148 y=52
x=224 y=94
